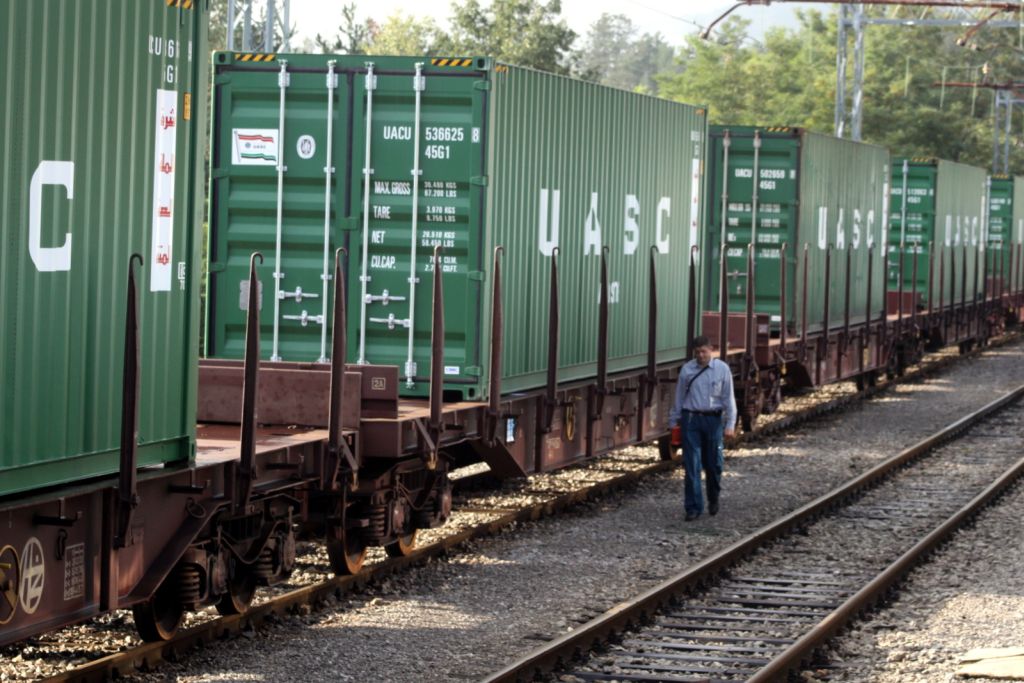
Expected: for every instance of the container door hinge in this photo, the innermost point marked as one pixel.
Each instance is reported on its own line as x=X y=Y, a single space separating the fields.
x=477 y=275
x=478 y=180
x=217 y=267
x=472 y=370
x=481 y=85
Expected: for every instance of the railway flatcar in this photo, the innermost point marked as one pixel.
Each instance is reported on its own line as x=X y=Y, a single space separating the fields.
x=794 y=284
x=431 y=175
x=413 y=264
x=553 y=216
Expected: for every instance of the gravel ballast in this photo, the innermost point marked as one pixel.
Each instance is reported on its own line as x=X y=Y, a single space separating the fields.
x=466 y=617
x=971 y=595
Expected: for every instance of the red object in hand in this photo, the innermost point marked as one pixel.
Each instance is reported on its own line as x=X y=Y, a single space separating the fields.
x=677 y=436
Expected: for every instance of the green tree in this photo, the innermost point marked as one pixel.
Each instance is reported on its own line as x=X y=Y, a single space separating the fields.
x=401 y=34
x=715 y=73
x=353 y=36
x=613 y=53
x=790 y=79
x=522 y=32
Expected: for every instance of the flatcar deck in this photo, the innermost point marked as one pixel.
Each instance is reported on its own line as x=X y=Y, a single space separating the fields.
x=219 y=442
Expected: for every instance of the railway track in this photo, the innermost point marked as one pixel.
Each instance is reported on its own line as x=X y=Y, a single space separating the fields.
x=760 y=609
x=149 y=655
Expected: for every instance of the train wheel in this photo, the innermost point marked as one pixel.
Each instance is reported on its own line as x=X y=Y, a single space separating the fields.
x=241 y=590
x=403 y=546
x=347 y=554
x=9 y=583
x=158 y=618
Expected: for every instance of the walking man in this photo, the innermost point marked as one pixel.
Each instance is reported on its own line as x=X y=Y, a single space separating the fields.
x=704 y=404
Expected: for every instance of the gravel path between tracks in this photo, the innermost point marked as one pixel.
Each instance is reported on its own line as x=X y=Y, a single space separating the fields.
x=465 y=617
x=971 y=595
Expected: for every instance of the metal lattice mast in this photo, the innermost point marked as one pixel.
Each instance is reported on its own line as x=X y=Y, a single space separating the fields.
x=273 y=17
x=858 y=72
x=840 y=106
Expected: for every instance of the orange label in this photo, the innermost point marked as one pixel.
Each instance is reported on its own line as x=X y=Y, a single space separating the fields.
x=186 y=112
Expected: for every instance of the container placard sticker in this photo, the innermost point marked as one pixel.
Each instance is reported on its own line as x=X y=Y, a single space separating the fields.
x=165 y=142
x=305 y=146
x=254 y=146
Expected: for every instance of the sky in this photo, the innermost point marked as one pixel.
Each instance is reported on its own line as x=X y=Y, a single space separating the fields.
x=674 y=20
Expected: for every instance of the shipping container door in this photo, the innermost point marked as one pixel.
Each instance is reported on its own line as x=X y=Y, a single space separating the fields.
x=276 y=179
x=913 y=226
x=1000 y=229
x=777 y=207
x=423 y=188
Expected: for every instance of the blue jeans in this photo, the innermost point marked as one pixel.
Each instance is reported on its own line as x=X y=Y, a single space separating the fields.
x=702 y=446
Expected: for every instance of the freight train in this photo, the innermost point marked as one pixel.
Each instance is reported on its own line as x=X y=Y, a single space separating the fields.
x=412 y=264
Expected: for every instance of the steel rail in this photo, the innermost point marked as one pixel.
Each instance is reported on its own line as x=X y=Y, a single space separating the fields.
x=149 y=655
x=640 y=609
x=866 y=597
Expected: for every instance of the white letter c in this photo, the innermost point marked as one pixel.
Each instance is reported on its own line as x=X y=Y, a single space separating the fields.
x=49 y=259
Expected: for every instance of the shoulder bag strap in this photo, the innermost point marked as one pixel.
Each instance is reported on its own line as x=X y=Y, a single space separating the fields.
x=686 y=392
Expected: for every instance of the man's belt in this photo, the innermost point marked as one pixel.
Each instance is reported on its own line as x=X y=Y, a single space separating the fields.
x=708 y=413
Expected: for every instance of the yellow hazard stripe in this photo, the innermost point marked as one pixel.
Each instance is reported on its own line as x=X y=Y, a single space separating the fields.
x=255 y=56
x=451 y=61
x=777 y=129
x=184 y=4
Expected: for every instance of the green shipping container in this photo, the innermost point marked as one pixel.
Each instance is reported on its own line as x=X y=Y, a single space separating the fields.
x=469 y=154
x=945 y=212
x=814 y=191
x=101 y=143
x=1001 y=207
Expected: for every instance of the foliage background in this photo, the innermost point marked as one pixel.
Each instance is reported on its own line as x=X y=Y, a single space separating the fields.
x=785 y=78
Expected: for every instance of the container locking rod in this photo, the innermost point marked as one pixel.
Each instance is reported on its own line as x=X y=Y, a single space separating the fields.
x=332 y=85
x=282 y=83
x=371 y=85
x=418 y=84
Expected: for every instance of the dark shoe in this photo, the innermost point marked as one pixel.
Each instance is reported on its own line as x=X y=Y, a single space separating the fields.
x=713 y=508
x=690 y=516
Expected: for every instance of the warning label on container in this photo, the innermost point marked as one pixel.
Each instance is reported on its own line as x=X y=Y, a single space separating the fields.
x=74 y=571
x=165 y=145
x=254 y=146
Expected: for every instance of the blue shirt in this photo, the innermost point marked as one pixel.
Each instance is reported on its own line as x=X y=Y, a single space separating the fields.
x=709 y=390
